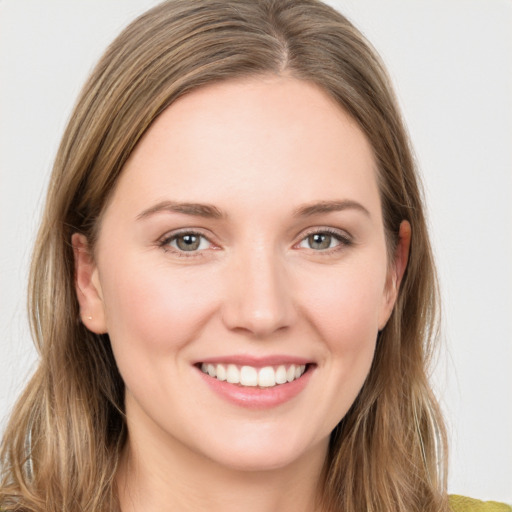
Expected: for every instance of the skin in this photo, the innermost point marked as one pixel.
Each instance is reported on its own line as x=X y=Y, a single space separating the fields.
x=257 y=150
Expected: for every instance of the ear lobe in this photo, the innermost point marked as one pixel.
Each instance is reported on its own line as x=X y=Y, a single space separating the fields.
x=87 y=286
x=396 y=272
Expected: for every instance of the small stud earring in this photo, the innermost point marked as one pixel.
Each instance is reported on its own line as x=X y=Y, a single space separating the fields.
x=89 y=318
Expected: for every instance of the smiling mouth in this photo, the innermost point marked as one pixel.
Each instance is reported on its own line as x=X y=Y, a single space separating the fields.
x=249 y=376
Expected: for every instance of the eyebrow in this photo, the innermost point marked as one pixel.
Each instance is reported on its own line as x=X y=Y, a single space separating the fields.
x=195 y=209
x=212 y=212
x=329 y=206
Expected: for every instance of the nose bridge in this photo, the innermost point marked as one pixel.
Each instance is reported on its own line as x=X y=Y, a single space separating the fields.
x=258 y=299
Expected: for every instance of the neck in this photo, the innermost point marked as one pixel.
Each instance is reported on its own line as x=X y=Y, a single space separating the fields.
x=159 y=479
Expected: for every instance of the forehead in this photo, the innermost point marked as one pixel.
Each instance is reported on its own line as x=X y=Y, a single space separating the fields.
x=256 y=139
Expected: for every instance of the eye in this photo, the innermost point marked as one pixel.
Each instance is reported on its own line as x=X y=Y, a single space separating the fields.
x=187 y=242
x=323 y=241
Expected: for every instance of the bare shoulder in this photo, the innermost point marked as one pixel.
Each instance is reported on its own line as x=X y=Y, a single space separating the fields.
x=463 y=504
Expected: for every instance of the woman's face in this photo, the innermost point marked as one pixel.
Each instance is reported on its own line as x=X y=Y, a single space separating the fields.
x=244 y=239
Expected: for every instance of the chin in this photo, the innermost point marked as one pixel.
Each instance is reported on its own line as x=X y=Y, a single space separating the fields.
x=264 y=453
x=255 y=462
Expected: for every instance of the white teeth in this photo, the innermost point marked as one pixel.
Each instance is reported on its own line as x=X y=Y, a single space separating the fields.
x=221 y=372
x=249 y=376
x=267 y=377
x=281 y=375
x=232 y=374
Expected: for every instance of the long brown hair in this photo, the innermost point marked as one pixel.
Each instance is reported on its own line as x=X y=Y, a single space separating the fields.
x=62 y=445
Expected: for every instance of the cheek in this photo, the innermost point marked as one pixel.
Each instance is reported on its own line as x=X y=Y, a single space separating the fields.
x=345 y=315
x=346 y=308
x=151 y=309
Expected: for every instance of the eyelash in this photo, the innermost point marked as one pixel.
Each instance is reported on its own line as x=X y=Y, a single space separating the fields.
x=344 y=241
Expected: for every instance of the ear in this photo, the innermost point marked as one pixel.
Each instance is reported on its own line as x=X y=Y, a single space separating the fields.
x=88 y=287
x=396 y=272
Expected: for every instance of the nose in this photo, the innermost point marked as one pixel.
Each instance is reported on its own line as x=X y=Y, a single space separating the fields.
x=259 y=296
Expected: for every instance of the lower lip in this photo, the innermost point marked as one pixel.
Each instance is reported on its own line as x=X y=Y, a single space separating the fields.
x=255 y=397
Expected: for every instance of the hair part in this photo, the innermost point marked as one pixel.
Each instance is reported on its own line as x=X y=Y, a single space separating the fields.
x=65 y=436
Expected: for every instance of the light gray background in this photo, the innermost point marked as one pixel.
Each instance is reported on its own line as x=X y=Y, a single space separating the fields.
x=451 y=61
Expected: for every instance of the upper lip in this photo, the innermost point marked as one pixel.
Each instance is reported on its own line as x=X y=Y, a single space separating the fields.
x=256 y=361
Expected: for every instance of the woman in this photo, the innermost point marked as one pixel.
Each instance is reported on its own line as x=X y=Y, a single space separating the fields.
x=232 y=291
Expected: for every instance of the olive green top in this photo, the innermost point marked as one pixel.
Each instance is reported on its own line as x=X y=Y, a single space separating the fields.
x=463 y=504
